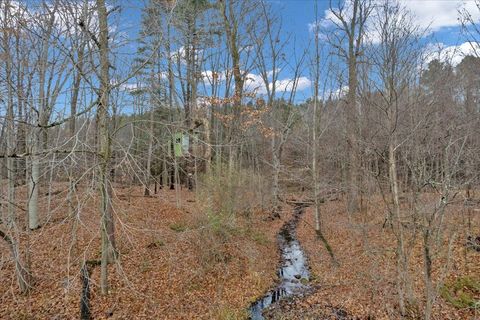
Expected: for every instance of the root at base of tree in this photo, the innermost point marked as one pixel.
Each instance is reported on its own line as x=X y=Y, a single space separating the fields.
x=87 y=268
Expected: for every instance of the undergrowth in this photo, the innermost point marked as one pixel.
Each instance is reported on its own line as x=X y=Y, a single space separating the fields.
x=227 y=200
x=228 y=313
x=462 y=293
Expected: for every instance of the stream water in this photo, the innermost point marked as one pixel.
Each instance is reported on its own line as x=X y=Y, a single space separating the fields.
x=293 y=271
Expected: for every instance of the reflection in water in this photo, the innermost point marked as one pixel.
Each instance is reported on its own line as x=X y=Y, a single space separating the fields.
x=293 y=273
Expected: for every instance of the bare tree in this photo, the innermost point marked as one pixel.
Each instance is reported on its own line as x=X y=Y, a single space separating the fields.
x=10 y=29
x=104 y=149
x=395 y=61
x=234 y=14
x=316 y=118
x=270 y=62
x=350 y=20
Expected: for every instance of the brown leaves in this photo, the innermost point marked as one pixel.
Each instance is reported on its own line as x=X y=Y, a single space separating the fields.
x=159 y=276
x=364 y=284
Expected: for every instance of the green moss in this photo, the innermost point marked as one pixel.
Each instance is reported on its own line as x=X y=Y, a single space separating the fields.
x=461 y=293
x=259 y=238
x=229 y=313
x=146 y=266
x=194 y=286
x=178 y=226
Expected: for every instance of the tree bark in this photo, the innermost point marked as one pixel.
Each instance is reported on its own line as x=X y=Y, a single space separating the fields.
x=352 y=195
x=231 y=31
x=149 y=153
x=104 y=185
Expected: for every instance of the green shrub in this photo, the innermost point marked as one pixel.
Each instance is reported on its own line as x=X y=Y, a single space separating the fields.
x=226 y=200
x=231 y=193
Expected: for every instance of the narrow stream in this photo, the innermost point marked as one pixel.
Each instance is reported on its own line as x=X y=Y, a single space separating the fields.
x=293 y=271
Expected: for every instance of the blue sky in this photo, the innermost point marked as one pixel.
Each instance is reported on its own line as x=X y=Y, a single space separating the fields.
x=440 y=17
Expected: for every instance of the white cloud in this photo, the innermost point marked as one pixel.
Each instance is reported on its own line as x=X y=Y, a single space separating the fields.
x=330 y=21
x=437 y=14
x=130 y=87
x=14 y=9
x=247 y=48
x=203 y=102
x=339 y=93
x=451 y=54
x=163 y=75
x=287 y=85
x=255 y=83
x=323 y=23
x=209 y=75
x=181 y=54
x=303 y=83
x=431 y=14
x=270 y=73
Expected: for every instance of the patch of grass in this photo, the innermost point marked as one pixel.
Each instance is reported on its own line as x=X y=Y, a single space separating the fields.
x=229 y=313
x=216 y=233
x=461 y=293
x=226 y=200
x=22 y=315
x=178 y=226
x=222 y=224
x=194 y=286
x=146 y=266
x=232 y=192
x=259 y=238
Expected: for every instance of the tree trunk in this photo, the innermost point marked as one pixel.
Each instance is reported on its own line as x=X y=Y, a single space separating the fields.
x=23 y=275
x=20 y=268
x=231 y=31
x=208 y=145
x=33 y=183
x=404 y=285
x=315 y=124
x=275 y=178
x=148 y=174
x=107 y=226
x=429 y=288
x=165 y=176
x=397 y=225
x=352 y=195
x=75 y=93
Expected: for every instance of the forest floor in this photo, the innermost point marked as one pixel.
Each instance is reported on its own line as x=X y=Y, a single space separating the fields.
x=363 y=285
x=175 y=263
x=178 y=262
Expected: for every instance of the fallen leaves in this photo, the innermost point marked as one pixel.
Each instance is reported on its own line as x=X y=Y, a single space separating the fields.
x=364 y=283
x=160 y=274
